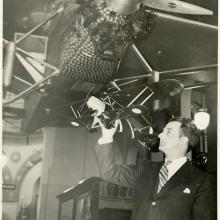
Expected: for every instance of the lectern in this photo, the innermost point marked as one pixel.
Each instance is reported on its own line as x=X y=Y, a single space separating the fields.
x=96 y=199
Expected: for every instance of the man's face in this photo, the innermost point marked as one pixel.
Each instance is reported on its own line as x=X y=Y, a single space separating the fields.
x=170 y=138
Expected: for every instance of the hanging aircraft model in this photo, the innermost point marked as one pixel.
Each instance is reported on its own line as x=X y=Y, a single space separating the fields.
x=87 y=45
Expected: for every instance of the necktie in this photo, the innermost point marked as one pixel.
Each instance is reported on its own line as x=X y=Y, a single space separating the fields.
x=163 y=176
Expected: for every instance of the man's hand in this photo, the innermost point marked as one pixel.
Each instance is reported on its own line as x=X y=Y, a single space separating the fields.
x=107 y=134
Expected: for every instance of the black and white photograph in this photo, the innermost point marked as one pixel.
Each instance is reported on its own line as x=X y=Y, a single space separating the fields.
x=109 y=110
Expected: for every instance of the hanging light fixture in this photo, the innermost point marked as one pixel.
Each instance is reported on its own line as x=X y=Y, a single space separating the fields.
x=201 y=119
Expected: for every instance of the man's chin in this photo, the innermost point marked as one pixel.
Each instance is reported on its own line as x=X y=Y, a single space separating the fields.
x=162 y=147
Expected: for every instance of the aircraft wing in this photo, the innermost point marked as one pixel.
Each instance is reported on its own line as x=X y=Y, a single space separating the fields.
x=176 y=43
x=177 y=48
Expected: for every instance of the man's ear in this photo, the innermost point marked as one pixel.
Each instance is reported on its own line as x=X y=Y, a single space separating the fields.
x=184 y=140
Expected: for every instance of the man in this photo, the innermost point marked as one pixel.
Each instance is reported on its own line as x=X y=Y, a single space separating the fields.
x=169 y=190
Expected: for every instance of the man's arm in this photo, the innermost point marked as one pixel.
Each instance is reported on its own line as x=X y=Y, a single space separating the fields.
x=205 y=203
x=118 y=174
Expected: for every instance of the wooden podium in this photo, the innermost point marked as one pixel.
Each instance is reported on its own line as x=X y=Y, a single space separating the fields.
x=96 y=199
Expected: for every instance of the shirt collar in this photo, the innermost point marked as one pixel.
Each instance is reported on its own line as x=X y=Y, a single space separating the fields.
x=175 y=165
x=178 y=160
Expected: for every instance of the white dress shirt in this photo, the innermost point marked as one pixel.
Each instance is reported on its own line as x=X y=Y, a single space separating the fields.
x=175 y=166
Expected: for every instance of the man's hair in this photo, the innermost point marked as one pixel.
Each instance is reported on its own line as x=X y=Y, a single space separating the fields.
x=189 y=130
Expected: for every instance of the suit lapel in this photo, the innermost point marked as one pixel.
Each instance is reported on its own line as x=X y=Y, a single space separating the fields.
x=153 y=177
x=181 y=177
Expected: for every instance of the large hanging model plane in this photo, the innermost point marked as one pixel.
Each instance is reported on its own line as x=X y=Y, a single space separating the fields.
x=114 y=63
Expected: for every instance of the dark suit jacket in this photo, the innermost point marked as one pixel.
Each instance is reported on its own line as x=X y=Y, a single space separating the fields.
x=188 y=195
